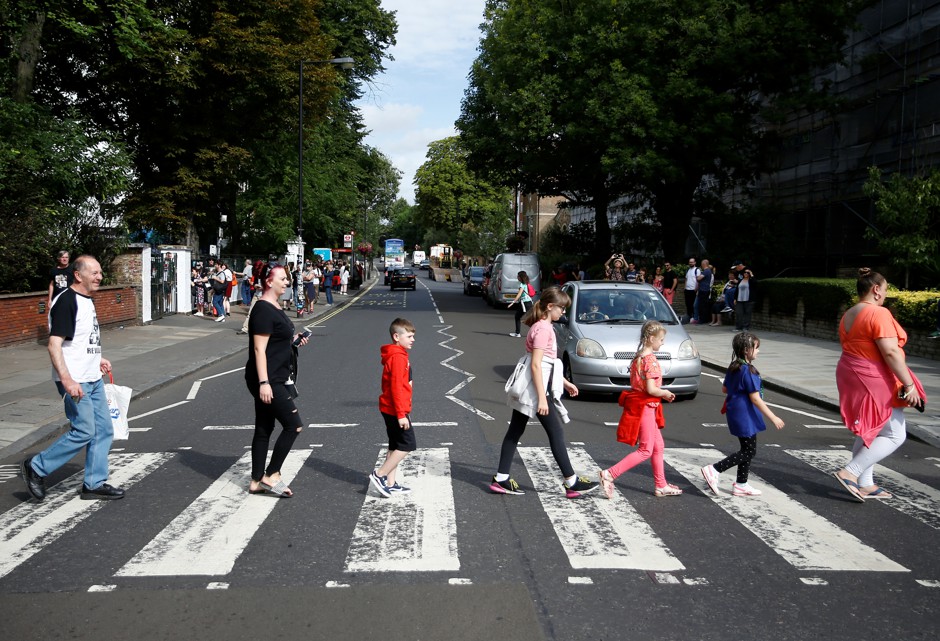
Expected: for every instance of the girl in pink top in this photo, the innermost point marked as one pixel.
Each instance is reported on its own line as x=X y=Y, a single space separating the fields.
x=542 y=399
x=875 y=384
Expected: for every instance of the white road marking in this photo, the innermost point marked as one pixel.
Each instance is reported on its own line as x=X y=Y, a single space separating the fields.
x=416 y=532
x=459 y=581
x=826 y=426
x=469 y=377
x=714 y=425
x=332 y=425
x=102 y=588
x=803 y=538
x=228 y=427
x=913 y=498
x=162 y=409
x=801 y=412
x=665 y=578
x=29 y=527
x=695 y=581
x=813 y=580
x=719 y=377
x=231 y=371
x=594 y=532
x=580 y=580
x=217 y=585
x=209 y=535
x=436 y=424
x=336 y=584
x=929 y=583
x=139 y=429
x=193 y=391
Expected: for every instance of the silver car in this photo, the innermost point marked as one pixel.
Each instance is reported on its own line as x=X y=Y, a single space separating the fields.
x=600 y=333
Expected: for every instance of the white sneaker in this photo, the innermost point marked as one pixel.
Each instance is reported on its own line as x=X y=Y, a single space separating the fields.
x=744 y=490
x=726 y=310
x=515 y=335
x=220 y=319
x=711 y=476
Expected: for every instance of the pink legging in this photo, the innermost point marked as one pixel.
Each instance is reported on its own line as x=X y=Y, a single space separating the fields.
x=651 y=445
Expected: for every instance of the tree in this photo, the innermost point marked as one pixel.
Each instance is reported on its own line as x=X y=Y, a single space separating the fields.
x=449 y=196
x=646 y=98
x=907 y=219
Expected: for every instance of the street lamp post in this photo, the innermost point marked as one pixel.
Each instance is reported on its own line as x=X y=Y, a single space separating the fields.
x=342 y=63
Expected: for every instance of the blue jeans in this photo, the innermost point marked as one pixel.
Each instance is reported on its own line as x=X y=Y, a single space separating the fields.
x=90 y=429
x=217 y=304
x=246 y=292
x=329 y=294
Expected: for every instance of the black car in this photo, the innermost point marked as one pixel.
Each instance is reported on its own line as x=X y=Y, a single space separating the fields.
x=388 y=274
x=473 y=281
x=403 y=278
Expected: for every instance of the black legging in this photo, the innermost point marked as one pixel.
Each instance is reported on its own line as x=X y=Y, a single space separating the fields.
x=551 y=422
x=741 y=458
x=520 y=312
x=283 y=409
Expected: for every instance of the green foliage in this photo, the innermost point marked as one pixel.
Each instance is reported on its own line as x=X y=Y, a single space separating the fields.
x=60 y=187
x=914 y=309
x=907 y=215
x=823 y=298
x=648 y=98
x=450 y=197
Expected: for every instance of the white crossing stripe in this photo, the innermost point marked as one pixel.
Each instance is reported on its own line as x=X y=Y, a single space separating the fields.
x=228 y=427
x=595 y=532
x=212 y=532
x=911 y=497
x=803 y=538
x=28 y=528
x=415 y=532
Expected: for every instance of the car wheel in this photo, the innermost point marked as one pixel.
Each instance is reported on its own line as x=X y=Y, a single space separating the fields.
x=414 y=288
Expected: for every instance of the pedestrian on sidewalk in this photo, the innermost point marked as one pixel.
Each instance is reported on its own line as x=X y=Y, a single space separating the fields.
x=246 y=282
x=642 y=417
x=270 y=375
x=60 y=276
x=875 y=385
x=328 y=283
x=524 y=298
x=691 y=289
x=395 y=406
x=257 y=290
x=343 y=279
x=703 y=301
x=541 y=398
x=75 y=351
x=744 y=300
x=745 y=408
x=218 y=293
x=670 y=279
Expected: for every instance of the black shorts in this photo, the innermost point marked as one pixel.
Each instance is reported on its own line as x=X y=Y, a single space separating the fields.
x=399 y=439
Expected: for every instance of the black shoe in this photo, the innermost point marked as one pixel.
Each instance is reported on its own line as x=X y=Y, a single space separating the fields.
x=105 y=492
x=35 y=484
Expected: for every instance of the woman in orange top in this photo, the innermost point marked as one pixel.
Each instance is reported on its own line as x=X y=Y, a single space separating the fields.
x=875 y=384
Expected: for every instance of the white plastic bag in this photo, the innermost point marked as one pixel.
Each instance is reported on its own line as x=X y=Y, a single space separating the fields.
x=119 y=402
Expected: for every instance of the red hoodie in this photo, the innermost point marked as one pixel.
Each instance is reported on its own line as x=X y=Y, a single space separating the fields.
x=396 y=381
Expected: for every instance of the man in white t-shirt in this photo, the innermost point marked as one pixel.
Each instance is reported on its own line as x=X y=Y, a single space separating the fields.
x=691 y=289
x=77 y=366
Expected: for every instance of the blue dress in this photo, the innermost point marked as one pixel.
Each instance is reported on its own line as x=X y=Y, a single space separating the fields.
x=744 y=419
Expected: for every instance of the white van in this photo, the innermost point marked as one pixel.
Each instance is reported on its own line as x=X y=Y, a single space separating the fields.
x=504 y=284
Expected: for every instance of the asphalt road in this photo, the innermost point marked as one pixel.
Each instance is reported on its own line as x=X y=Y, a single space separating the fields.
x=189 y=555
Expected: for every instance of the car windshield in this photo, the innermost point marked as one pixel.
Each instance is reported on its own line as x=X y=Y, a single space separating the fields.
x=476 y=271
x=404 y=272
x=622 y=306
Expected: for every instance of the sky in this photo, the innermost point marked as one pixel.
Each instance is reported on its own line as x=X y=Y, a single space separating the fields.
x=417 y=99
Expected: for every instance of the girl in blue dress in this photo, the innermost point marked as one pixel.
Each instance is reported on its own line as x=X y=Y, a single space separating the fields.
x=746 y=409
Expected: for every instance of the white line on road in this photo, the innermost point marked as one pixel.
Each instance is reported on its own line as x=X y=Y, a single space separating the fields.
x=436 y=424
x=803 y=538
x=595 y=532
x=333 y=425
x=212 y=532
x=167 y=407
x=416 y=532
x=28 y=528
x=228 y=427
x=801 y=412
x=193 y=391
x=827 y=426
x=469 y=377
x=231 y=371
x=913 y=498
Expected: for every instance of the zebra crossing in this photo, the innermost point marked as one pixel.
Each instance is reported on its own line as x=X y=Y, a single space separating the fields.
x=419 y=532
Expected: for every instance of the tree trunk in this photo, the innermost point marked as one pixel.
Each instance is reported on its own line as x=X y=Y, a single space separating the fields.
x=28 y=54
x=601 y=225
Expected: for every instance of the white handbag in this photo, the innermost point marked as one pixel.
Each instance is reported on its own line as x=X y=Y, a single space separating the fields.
x=518 y=381
x=119 y=402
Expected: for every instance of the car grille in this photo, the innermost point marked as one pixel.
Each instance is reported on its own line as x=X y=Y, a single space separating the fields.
x=628 y=356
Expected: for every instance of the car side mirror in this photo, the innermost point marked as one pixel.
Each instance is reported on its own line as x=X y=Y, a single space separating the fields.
x=564 y=319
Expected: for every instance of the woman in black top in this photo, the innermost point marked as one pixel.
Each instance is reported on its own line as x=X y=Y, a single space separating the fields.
x=269 y=375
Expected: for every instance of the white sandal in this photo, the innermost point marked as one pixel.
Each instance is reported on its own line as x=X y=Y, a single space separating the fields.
x=668 y=490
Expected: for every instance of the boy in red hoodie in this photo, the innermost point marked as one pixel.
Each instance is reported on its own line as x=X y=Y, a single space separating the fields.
x=395 y=405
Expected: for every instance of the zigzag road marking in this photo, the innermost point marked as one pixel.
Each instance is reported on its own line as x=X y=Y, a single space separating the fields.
x=469 y=377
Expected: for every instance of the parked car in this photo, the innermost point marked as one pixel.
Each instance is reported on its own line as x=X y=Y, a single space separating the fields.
x=473 y=281
x=599 y=334
x=503 y=284
x=405 y=278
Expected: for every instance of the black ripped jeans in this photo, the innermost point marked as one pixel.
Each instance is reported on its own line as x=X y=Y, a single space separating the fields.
x=282 y=409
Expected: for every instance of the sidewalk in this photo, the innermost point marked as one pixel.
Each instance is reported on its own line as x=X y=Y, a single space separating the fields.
x=806 y=368
x=143 y=357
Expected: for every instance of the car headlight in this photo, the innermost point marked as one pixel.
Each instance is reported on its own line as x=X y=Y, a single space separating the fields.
x=588 y=348
x=687 y=350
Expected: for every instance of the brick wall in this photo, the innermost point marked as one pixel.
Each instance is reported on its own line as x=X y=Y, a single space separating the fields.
x=918 y=343
x=23 y=316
